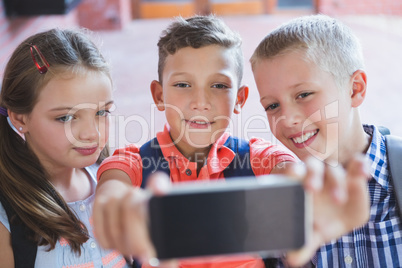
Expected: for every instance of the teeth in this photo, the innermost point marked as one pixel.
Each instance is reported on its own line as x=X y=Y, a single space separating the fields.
x=304 y=137
x=200 y=122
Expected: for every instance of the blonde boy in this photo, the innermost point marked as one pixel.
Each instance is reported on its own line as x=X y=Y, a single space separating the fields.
x=309 y=73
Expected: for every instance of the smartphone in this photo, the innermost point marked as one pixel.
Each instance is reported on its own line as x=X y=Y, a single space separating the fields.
x=265 y=215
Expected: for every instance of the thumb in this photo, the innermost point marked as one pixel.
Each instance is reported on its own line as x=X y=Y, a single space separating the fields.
x=159 y=183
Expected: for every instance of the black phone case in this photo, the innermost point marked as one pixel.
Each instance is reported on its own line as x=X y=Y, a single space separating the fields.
x=235 y=217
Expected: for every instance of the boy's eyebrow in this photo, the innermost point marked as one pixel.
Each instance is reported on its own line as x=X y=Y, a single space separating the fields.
x=178 y=73
x=68 y=108
x=223 y=74
x=185 y=73
x=298 y=84
x=109 y=103
x=263 y=98
x=292 y=86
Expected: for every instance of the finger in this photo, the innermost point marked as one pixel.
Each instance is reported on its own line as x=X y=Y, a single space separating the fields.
x=359 y=199
x=169 y=264
x=335 y=183
x=298 y=258
x=314 y=174
x=137 y=241
x=295 y=171
x=302 y=256
x=112 y=224
x=161 y=264
x=358 y=168
x=99 y=227
x=159 y=183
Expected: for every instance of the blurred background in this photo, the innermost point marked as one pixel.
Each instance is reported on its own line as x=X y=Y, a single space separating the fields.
x=128 y=30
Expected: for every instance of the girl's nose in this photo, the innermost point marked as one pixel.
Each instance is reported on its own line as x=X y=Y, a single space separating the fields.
x=89 y=131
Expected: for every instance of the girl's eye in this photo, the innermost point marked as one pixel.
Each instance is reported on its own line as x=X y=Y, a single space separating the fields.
x=65 y=119
x=272 y=107
x=304 y=95
x=181 y=85
x=103 y=113
x=220 y=86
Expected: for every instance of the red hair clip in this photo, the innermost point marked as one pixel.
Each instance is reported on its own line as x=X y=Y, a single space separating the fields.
x=42 y=69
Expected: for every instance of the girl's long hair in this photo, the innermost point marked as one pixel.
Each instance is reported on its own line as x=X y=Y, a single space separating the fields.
x=24 y=183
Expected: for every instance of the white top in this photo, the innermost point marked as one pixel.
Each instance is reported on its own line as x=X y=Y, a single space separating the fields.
x=91 y=254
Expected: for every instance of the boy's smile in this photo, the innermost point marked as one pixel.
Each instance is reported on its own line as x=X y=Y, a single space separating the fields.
x=302 y=104
x=199 y=94
x=304 y=138
x=198 y=123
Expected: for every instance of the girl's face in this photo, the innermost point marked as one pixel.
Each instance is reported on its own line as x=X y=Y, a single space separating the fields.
x=69 y=124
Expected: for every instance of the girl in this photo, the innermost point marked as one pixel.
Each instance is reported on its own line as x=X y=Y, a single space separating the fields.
x=54 y=104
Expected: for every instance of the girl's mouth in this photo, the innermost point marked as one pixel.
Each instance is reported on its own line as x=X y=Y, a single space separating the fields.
x=86 y=150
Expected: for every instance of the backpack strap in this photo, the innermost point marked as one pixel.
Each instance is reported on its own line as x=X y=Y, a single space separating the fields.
x=24 y=249
x=241 y=165
x=394 y=154
x=152 y=160
x=384 y=130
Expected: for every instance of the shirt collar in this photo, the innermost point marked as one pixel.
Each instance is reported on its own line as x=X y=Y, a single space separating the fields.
x=377 y=156
x=170 y=151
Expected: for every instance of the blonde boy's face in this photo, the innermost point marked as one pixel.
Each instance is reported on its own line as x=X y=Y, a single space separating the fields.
x=199 y=95
x=306 y=111
x=68 y=127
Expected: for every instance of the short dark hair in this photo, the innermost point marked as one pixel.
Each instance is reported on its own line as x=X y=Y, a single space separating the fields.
x=197 y=32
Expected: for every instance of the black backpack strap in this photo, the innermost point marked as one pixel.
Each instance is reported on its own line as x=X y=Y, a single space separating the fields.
x=394 y=155
x=24 y=249
x=270 y=262
x=241 y=165
x=136 y=264
x=152 y=160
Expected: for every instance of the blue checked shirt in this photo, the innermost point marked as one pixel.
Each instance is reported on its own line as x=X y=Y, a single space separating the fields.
x=379 y=242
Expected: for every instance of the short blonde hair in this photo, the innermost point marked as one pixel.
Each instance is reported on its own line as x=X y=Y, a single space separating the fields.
x=327 y=42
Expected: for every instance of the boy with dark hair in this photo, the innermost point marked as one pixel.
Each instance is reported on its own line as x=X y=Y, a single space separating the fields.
x=309 y=73
x=200 y=70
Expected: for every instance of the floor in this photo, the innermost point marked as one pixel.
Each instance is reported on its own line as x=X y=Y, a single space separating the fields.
x=133 y=55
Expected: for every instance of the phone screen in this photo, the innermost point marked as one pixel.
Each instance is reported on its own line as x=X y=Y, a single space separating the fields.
x=247 y=217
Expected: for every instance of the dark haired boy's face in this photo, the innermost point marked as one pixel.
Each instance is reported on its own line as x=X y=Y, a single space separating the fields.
x=200 y=88
x=306 y=110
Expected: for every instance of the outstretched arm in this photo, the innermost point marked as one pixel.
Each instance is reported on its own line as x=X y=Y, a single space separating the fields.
x=120 y=216
x=116 y=210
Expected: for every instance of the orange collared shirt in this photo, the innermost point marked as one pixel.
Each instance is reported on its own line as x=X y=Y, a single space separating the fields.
x=263 y=157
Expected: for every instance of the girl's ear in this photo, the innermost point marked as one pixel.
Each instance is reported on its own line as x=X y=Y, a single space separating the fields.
x=242 y=95
x=18 y=121
x=358 y=90
x=157 y=94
